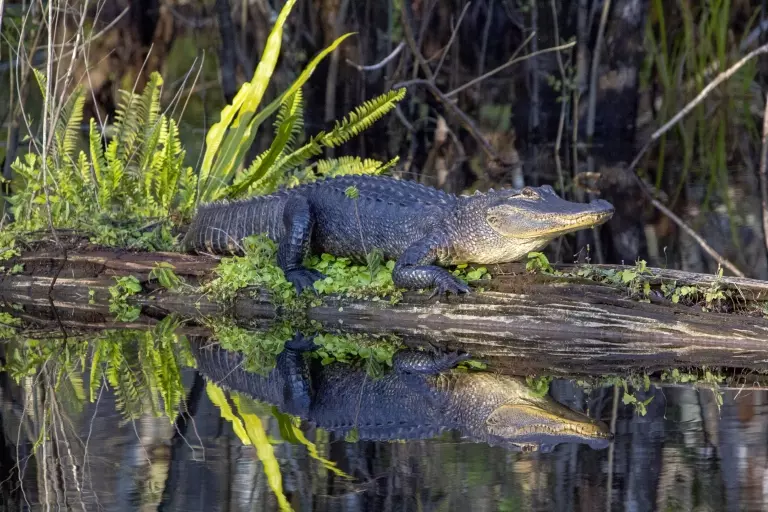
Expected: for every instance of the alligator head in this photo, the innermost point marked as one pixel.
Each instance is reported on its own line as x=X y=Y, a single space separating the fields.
x=524 y=220
x=541 y=424
x=507 y=412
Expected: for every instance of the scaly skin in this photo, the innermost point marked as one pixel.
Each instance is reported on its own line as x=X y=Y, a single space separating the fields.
x=420 y=398
x=422 y=228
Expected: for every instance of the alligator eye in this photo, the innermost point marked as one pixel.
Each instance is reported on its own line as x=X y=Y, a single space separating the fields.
x=529 y=193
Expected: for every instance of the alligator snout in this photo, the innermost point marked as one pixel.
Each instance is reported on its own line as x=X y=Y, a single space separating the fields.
x=602 y=206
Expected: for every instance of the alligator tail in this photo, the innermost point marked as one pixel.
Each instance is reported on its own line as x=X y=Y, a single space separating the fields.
x=220 y=227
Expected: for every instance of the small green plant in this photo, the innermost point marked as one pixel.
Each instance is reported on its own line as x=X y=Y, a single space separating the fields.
x=257 y=267
x=9 y=324
x=539 y=385
x=163 y=272
x=467 y=273
x=676 y=293
x=119 y=293
x=538 y=262
x=716 y=292
x=635 y=279
x=259 y=348
x=703 y=377
x=640 y=405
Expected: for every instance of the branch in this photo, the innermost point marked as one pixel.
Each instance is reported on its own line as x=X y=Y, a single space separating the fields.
x=509 y=63
x=450 y=41
x=381 y=64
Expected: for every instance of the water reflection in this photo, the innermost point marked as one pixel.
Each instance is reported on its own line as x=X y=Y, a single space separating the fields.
x=420 y=398
x=96 y=436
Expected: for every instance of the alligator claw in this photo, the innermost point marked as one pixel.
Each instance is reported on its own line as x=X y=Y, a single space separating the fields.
x=303 y=278
x=460 y=356
x=452 y=359
x=449 y=283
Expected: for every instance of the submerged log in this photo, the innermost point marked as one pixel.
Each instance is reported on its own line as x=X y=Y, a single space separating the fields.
x=524 y=321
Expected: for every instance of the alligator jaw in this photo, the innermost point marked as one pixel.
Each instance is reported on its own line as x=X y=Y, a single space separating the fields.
x=532 y=424
x=590 y=215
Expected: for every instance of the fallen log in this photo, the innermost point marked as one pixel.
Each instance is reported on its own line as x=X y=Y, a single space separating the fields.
x=565 y=324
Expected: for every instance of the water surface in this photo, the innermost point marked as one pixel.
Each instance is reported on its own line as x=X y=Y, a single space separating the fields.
x=685 y=453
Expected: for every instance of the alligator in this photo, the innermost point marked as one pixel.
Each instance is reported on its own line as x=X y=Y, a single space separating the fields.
x=422 y=228
x=422 y=396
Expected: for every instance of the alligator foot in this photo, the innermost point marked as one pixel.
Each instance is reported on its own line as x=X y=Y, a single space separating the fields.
x=301 y=343
x=303 y=278
x=447 y=283
x=416 y=361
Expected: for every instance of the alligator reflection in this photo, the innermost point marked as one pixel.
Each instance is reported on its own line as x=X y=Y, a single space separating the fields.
x=421 y=397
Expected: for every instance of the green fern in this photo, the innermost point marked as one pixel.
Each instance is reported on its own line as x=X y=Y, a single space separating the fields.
x=272 y=168
x=293 y=106
x=68 y=128
x=352 y=165
x=362 y=118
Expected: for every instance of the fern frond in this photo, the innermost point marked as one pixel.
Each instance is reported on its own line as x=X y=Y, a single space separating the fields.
x=362 y=118
x=135 y=112
x=295 y=159
x=127 y=126
x=97 y=371
x=68 y=126
x=149 y=103
x=291 y=107
x=42 y=82
x=154 y=136
x=167 y=179
x=151 y=121
x=351 y=165
x=185 y=198
x=153 y=168
x=97 y=153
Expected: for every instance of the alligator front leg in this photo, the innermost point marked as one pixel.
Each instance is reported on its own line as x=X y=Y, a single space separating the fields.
x=414 y=269
x=427 y=363
x=298 y=221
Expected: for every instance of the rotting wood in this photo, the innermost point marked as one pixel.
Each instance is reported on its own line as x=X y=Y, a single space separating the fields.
x=523 y=321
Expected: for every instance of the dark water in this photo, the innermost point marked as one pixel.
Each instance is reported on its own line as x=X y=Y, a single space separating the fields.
x=685 y=453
